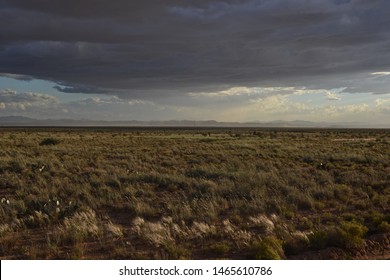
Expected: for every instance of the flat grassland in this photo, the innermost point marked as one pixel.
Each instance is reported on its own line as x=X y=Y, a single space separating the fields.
x=138 y=193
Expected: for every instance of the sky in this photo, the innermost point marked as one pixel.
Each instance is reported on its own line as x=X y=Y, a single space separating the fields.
x=228 y=60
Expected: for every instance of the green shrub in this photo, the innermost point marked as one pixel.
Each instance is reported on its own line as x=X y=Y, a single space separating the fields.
x=49 y=141
x=342 y=192
x=384 y=227
x=351 y=235
x=219 y=249
x=373 y=219
x=347 y=236
x=304 y=224
x=319 y=239
x=295 y=245
x=177 y=252
x=270 y=248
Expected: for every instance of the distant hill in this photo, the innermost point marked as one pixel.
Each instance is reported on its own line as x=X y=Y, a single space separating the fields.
x=16 y=119
x=26 y=121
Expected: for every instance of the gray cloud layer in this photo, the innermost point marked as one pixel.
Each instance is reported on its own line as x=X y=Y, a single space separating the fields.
x=160 y=48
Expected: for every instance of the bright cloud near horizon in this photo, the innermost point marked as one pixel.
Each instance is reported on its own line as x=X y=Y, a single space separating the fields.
x=227 y=60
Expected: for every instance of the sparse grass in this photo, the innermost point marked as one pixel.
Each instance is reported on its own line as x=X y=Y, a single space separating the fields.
x=183 y=194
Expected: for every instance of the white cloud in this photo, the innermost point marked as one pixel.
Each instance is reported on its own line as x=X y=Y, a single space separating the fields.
x=100 y=101
x=329 y=111
x=241 y=91
x=332 y=96
x=383 y=105
x=139 y=102
x=380 y=73
x=7 y=91
x=355 y=108
x=234 y=91
x=20 y=101
x=304 y=91
x=272 y=104
x=266 y=91
x=381 y=102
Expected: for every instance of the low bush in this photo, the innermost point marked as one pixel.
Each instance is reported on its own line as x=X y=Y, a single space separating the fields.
x=49 y=141
x=349 y=235
x=270 y=248
x=318 y=240
x=219 y=249
x=295 y=245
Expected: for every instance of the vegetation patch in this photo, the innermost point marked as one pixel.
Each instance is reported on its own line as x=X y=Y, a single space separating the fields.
x=49 y=141
x=236 y=193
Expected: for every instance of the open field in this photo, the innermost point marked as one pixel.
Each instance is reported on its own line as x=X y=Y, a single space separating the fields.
x=116 y=193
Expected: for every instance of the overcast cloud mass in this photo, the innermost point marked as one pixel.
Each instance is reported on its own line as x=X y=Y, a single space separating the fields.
x=233 y=60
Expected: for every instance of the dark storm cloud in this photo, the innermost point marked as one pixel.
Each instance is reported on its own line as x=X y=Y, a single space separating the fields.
x=79 y=89
x=17 y=77
x=174 y=46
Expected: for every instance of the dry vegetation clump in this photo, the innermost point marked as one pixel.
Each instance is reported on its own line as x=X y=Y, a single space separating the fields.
x=5 y=229
x=265 y=224
x=79 y=227
x=193 y=194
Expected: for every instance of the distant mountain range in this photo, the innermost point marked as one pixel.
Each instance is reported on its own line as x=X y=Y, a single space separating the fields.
x=26 y=121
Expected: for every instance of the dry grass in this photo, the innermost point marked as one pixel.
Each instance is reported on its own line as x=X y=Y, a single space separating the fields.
x=230 y=193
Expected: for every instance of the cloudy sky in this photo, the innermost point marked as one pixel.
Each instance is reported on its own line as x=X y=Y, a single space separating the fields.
x=227 y=60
